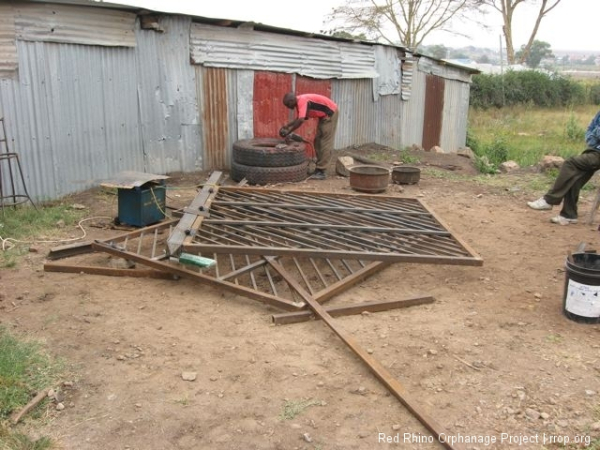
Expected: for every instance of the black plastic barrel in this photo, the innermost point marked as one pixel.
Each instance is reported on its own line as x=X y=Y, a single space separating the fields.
x=581 y=301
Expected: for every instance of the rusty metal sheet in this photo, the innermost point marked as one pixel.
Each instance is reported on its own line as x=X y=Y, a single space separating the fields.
x=130 y=180
x=269 y=112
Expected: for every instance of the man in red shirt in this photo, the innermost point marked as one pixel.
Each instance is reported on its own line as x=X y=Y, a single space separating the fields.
x=314 y=106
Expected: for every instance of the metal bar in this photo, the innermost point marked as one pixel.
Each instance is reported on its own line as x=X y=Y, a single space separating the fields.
x=189 y=223
x=336 y=254
x=382 y=374
x=345 y=209
x=108 y=271
x=185 y=273
x=139 y=249
x=358 y=276
x=216 y=265
x=347 y=266
x=371 y=229
x=334 y=270
x=232 y=263
x=301 y=272
x=252 y=279
x=64 y=251
x=320 y=275
x=140 y=231
x=154 y=242
x=348 y=310
x=466 y=246
x=248 y=268
x=270 y=278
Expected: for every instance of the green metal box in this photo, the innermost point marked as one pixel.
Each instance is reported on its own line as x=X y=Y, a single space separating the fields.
x=142 y=205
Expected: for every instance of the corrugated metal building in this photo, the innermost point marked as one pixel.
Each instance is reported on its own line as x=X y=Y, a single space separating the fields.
x=89 y=91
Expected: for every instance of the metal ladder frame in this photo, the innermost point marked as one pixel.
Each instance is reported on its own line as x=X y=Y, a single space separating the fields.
x=10 y=157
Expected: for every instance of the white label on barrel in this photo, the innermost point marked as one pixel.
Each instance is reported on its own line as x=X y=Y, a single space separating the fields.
x=583 y=300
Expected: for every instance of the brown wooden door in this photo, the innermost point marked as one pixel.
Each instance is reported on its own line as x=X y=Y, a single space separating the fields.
x=434 y=107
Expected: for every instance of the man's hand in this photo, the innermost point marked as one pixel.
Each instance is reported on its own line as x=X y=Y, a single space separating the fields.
x=283 y=132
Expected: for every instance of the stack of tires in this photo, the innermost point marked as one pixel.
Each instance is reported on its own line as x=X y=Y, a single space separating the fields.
x=268 y=161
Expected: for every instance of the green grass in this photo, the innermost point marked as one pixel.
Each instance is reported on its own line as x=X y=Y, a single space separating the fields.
x=18 y=441
x=22 y=226
x=24 y=369
x=525 y=134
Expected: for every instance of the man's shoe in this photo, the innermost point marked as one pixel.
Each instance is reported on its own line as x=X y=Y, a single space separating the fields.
x=562 y=220
x=318 y=175
x=539 y=204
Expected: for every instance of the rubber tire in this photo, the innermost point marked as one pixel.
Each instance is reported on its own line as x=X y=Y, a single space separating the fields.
x=268 y=175
x=268 y=152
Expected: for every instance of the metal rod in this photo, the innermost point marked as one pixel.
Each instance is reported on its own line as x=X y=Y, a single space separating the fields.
x=198 y=276
x=382 y=374
x=348 y=310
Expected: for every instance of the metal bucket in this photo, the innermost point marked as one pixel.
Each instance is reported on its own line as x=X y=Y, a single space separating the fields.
x=406 y=175
x=367 y=178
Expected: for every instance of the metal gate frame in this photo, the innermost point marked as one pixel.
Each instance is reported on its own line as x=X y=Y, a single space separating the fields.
x=415 y=233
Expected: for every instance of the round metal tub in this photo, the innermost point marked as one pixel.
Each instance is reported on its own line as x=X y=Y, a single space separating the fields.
x=367 y=178
x=406 y=175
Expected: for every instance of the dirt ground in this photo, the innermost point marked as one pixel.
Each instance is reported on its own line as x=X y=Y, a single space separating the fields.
x=493 y=360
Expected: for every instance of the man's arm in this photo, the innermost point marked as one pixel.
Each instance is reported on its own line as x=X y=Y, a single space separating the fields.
x=592 y=135
x=290 y=127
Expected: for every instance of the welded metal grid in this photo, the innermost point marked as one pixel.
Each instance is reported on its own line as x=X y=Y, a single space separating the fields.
x=367 y=227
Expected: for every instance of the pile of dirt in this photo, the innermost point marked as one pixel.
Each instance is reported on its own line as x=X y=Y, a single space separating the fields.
x=380 y=154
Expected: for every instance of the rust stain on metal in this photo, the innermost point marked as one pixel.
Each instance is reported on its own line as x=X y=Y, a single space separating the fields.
x=215 y=118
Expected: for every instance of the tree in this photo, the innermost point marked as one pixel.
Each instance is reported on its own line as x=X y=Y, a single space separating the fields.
x=404 y=22
x=507 y=9
x=436 y=51
x=483 y=59
x=345 y=35
x=538 y=51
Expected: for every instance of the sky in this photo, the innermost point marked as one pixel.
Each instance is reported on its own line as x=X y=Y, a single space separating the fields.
x=569 y=26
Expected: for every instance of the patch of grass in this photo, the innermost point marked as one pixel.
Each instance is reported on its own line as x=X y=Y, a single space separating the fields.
x=21 y=226
x=407 y=158
x=18 y=441
x=24 y=369
x=42 y=223
x=527 y=134
x=292 y=409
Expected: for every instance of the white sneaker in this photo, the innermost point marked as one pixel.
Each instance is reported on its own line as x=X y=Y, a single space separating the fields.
x=562 y=220
x=539 y=204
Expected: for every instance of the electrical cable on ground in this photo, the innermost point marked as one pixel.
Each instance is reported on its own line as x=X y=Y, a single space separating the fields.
x=7 y=241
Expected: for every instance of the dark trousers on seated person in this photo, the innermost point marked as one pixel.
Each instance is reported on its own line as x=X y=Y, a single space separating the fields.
x=574 y=174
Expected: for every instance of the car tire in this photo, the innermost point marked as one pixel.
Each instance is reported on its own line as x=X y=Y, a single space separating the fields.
x=268 y=175
x=268 y=152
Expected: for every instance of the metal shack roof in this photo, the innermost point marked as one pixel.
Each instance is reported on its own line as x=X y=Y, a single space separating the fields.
x=233 y=23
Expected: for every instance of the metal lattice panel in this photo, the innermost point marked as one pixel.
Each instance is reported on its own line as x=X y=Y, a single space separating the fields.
x=367 y=227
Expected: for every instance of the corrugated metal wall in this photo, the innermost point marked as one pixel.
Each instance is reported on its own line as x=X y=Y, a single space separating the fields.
x=214 y=46
x=456 y=115
x=74 y=24
x=78 y=114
